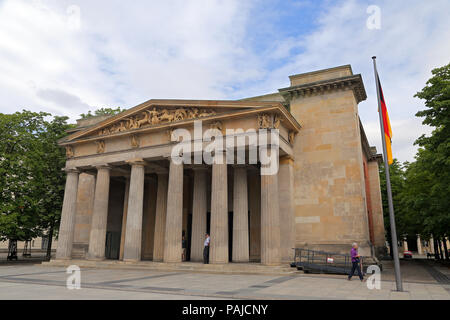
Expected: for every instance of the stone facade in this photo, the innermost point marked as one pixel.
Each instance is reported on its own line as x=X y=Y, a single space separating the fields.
x=127 y=199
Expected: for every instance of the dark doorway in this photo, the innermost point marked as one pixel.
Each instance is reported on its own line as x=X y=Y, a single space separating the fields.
x=230 y=236
x=112 y=245
x=208 y=222
x=189 y=237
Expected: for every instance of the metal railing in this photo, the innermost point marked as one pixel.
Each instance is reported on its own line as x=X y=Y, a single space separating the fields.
x=323 y=262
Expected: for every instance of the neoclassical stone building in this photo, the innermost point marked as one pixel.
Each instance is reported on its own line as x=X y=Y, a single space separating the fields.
x=126 y=198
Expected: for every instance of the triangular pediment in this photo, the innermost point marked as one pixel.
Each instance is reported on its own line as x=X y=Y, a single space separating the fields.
x=156 y=116
x=157 y=113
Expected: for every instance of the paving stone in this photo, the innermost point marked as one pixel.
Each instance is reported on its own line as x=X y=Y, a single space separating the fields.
x=37 y=282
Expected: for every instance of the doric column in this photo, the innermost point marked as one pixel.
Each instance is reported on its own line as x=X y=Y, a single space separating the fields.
x=240 y=216
x=67 y=225
x=286 y=202
x=97 y=236
x=174 y=219
x=124 y=217
x=219 y=213
x=160 y=220
x=199 y=210
x=133 y=233
x=270 y=223
x=254 y=203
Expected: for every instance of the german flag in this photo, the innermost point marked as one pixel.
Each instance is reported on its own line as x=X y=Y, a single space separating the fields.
x=386 y=122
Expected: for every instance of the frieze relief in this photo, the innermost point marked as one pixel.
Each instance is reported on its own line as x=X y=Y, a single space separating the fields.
x=69 y=152
x=135 y=141
x=217 y=125
x=269 y=121
x=156 y=116
x=291 y=137
x=100 y=146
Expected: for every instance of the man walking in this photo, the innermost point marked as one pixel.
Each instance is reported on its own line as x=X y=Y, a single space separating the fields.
x=355 y=262
x=206 y=249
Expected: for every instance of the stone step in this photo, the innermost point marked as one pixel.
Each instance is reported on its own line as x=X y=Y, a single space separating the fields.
x=230 y=268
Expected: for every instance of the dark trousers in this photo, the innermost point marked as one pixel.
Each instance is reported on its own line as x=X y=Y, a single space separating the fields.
x=355 y=266
x=206 y=255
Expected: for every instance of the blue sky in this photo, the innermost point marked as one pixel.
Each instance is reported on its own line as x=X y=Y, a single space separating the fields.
x=68 y=57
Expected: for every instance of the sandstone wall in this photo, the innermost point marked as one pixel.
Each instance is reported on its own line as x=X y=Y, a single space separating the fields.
x=329 y=196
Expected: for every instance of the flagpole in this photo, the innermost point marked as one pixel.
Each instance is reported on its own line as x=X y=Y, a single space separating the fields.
x=398 y=278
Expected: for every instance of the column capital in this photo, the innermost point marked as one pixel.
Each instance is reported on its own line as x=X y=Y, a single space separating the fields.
x=136 y=162
x=103 y=166
x=70 y=170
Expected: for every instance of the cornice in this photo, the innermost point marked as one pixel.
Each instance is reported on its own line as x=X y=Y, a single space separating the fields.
x=275 y=107
x=353 y=82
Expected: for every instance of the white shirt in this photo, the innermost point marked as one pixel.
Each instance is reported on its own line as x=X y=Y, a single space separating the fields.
x=207 y=240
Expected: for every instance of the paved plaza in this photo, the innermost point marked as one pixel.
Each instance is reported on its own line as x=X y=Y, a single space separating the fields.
x=422 y=280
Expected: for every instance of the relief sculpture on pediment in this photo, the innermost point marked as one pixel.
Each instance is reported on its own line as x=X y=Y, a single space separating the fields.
x=264 y=121
x=69 y=152
x=276 y=121
x=156 y=116
x=100 y=146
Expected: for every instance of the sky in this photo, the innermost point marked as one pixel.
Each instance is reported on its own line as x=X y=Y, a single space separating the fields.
x=69 y=57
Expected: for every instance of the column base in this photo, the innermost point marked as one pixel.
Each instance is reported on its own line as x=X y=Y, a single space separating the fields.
x=62 y=258
x=95 y=258
x=178 y=261
x=131 y=260
x=218 y=262
x=274 y=264
x=243 y=261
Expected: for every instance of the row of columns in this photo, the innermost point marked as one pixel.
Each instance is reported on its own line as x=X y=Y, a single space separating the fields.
x=169 y=213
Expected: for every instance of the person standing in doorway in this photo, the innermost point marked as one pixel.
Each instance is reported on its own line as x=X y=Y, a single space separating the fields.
x=355 y=262
x=206 y=249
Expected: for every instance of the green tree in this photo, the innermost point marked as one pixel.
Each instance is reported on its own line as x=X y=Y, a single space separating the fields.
x=397 y=175
x=420 y=189
x=102 y=112
x=31 y=179
x=433 y=157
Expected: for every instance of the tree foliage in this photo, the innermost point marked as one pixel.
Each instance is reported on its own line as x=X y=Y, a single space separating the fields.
x=31 y=180
x=432 y=166
x=102 y=112
x=421 y=189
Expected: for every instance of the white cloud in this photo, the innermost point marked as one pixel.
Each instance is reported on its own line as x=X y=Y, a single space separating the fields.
x=125 y=53
x=122 y=54
x=413 y=39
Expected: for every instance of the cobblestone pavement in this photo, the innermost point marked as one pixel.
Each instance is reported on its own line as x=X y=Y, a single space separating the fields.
x=44 y=282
